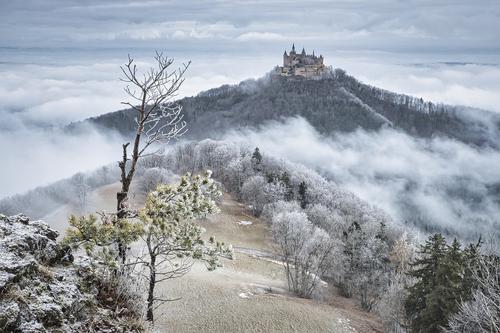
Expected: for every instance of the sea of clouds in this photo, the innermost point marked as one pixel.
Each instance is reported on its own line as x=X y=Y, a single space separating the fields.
x=436 y=184
x=45 y=90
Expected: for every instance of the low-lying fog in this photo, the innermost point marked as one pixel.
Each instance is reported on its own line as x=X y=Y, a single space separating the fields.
x=426 y=182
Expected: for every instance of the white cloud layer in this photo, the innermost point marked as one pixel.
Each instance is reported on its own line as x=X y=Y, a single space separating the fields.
x=440 y=181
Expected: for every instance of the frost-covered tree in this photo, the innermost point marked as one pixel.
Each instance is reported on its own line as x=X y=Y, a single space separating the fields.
x=172 y=241
x=372 y=277
x=481 y=313
x=307 y=250
x=152 y=177
x=158 y=118
x=81 y=191
x=253 y=192
x=391 y=306
x=236 y=173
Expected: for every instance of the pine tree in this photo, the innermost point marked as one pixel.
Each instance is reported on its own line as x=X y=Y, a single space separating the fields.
x=423 y=305
x=285 y=180
x=444 y=279
x=303 y=195
x=256 y=160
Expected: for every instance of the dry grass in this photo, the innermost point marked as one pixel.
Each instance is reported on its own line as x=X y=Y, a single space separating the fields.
x=247 y=294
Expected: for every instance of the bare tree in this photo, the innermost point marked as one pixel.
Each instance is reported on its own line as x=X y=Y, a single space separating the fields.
x=158 y=118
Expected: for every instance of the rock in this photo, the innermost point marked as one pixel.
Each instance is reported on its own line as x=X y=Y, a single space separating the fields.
x=9 y=316
x=42 y=289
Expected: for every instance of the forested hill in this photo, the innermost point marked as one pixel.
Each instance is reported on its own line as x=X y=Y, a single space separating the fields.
x=337 y=103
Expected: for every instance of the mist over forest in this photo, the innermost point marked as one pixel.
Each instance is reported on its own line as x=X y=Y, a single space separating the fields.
x=434 y=184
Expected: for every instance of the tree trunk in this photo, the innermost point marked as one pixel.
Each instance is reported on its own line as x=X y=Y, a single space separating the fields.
x=121 y=213
x=121 y=200
x=151 y=291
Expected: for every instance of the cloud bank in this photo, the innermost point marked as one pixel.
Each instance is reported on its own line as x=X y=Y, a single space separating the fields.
x=437 y=184
x=34 y=157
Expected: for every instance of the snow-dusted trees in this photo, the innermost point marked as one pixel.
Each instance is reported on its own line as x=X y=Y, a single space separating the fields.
x=268 y=184
x=253 y=193
x=158 y=118
x=391 y=305
x=81 y=192
x=365 y=263
x=307 y=250
x=152 y=177
x=372 y=277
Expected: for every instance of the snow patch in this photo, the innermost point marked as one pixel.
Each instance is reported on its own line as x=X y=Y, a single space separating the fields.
x=245 y=222
x=245 y=295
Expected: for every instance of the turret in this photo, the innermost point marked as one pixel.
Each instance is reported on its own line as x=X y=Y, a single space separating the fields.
x=303 y=51
x=293 y=48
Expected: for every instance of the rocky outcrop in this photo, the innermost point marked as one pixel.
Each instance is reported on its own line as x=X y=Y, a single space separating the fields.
x=41 y=287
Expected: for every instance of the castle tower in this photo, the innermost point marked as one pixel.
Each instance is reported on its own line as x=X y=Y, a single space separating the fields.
x=286 y=60
x=303 y=51
x=293 y=49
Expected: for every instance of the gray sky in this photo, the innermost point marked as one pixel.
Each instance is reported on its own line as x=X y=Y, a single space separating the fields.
x=59 y=59
x=427 y=26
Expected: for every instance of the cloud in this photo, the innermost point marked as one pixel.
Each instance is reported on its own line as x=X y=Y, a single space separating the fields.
x=438 y=182
x=35 y=157
x=56 y=95
x=470 y=84
x=261 y=36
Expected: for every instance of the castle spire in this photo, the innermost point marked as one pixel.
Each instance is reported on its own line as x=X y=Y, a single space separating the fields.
x=303 y=51
x=293 y=47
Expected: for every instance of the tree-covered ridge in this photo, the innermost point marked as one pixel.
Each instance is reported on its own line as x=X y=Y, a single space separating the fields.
x=339 y=103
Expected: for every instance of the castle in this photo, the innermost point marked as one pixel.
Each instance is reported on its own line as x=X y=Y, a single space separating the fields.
x=302 y=65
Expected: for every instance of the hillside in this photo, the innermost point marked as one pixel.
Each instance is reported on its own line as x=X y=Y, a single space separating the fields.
x=247 y=293
x=339 y=103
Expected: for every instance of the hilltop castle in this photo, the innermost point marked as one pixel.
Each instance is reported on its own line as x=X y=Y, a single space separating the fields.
x=304 y=65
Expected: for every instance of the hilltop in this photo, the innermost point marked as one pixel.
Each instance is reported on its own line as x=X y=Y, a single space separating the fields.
x=335 y=103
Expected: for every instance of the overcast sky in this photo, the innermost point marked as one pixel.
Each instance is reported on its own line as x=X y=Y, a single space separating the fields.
x=59 y=59
x=212 y=26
